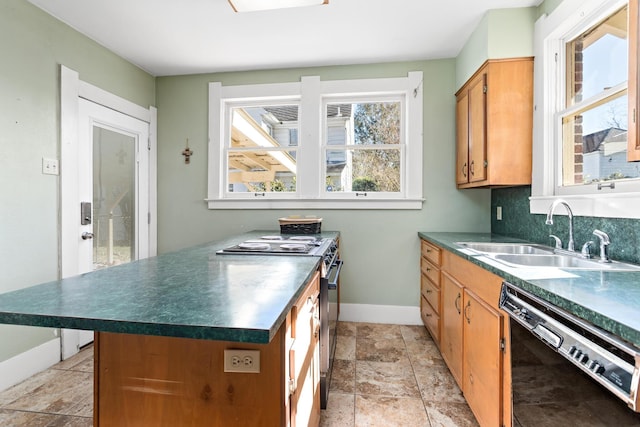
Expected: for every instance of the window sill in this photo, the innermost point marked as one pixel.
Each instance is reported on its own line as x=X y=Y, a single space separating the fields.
x=314 y=204
x=625 y=205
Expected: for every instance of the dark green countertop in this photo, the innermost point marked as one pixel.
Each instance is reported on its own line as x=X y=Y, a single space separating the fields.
x=610 y=300
x=192 y=293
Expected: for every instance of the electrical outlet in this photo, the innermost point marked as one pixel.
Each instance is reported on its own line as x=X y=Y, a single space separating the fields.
x=236 y=360
x=50 y=166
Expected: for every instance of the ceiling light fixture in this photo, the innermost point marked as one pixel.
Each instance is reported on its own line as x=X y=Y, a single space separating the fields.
x=255 y=5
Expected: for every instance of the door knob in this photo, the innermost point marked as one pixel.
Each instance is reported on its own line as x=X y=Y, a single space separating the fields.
x=86 y=235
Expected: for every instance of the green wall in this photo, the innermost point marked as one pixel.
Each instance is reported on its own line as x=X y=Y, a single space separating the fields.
x=380 y=247
x=33 y=44
x=502 y=33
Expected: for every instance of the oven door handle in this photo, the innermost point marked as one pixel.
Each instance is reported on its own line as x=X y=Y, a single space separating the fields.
x=333 y=284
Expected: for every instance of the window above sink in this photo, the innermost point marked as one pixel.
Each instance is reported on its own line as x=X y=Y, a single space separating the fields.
x=581 y=109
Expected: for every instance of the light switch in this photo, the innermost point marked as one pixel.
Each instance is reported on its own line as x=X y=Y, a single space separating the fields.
x=50 y=166
x=499 y=213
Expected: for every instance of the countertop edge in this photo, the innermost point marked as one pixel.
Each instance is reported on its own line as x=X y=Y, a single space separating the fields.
x=263 y=334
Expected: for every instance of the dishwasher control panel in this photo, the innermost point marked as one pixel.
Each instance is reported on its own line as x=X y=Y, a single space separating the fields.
x=607 y=359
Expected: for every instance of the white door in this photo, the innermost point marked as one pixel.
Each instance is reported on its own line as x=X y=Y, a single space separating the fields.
x=112 y=196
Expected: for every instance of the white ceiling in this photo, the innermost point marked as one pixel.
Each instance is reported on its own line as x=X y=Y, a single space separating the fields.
x=171 y=37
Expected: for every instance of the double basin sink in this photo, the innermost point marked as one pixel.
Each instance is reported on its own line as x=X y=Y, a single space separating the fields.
x=525 y=255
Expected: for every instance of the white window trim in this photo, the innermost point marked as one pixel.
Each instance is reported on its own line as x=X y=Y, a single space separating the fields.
x=311 y=92
x=550 y=31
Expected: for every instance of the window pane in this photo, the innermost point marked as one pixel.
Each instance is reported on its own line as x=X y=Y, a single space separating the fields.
x=114 y=201
x=597 y=59
x=259 y=153
x=595 y=144
x=368 y=170
x=364 y=124
x=257 y=171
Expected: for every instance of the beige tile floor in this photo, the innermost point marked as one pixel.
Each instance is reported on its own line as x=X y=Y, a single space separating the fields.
x=391 y=375
x=59 y=396
x=385 y=375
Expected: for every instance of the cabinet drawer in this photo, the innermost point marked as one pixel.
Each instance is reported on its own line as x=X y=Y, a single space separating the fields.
x=430 y=293
x=431 y=271
x=431 y=252
x=430 y=319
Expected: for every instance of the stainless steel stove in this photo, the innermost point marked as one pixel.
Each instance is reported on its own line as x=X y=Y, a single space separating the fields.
x=280 y=245
x=300 y=245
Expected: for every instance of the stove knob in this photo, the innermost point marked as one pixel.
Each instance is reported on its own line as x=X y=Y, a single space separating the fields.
x=572 y=350
x=584 y=358
x=591 y=364
x=576 y=354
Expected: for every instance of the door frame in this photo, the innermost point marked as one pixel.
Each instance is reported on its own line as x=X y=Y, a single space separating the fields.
x=72 y=89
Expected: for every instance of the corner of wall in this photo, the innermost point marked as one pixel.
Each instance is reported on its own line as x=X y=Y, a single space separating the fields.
x=502 y=33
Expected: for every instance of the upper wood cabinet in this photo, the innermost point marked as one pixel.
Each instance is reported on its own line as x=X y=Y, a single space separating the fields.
x=494 y=125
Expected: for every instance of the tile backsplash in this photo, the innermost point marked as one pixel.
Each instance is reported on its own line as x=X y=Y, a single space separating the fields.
x=518 y=222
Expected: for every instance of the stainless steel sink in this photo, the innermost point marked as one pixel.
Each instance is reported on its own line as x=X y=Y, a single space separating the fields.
x=506 y=248
x=562 y=261
x=529 y=255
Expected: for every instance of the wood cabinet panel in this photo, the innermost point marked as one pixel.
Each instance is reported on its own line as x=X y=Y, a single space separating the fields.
x=477 y=138
x=431 y=252
x=151 y=380
x=462 y=138
x=451 y=338
x=430 y=319
x=494 y=133
x=304 y=359
x=431 y=293
x=430 y=271
x=483 y=283
x=430 y=260
x=482 y=384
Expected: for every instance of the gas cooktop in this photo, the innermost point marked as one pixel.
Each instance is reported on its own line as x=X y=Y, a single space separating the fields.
x=279 y=245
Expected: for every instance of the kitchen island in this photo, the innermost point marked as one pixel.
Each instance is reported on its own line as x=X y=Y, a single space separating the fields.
x=162 y=327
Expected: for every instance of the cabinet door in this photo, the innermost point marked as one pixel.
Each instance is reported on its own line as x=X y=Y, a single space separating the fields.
x=451 y=318
x=462 y=138
x=482 y=383
x=304 y=366
x=477 y=129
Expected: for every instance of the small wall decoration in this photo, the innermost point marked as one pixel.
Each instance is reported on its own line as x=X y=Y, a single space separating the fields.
x=187 y=153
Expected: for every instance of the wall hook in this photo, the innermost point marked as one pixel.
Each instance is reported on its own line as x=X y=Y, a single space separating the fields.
x=187 y=153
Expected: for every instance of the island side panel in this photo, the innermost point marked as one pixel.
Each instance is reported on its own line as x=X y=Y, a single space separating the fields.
x=145 y=380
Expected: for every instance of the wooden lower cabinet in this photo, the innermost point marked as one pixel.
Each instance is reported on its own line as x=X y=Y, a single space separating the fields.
x=143 y=380
x=451 y=339
x=472 y=339
x=430 y=289
x=482 y=383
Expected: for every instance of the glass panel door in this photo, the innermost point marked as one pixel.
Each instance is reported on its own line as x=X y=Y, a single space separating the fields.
x=114 y=179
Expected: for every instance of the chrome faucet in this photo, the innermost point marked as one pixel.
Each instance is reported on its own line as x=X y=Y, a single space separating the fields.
x=571 y=246
x=604 y=245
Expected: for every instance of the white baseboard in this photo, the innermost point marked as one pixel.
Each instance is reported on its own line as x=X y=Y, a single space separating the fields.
x=389 y=314
x=22 y=366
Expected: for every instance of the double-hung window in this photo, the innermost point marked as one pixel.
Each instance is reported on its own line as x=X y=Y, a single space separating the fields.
x=581 y=117
x=316 y=144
